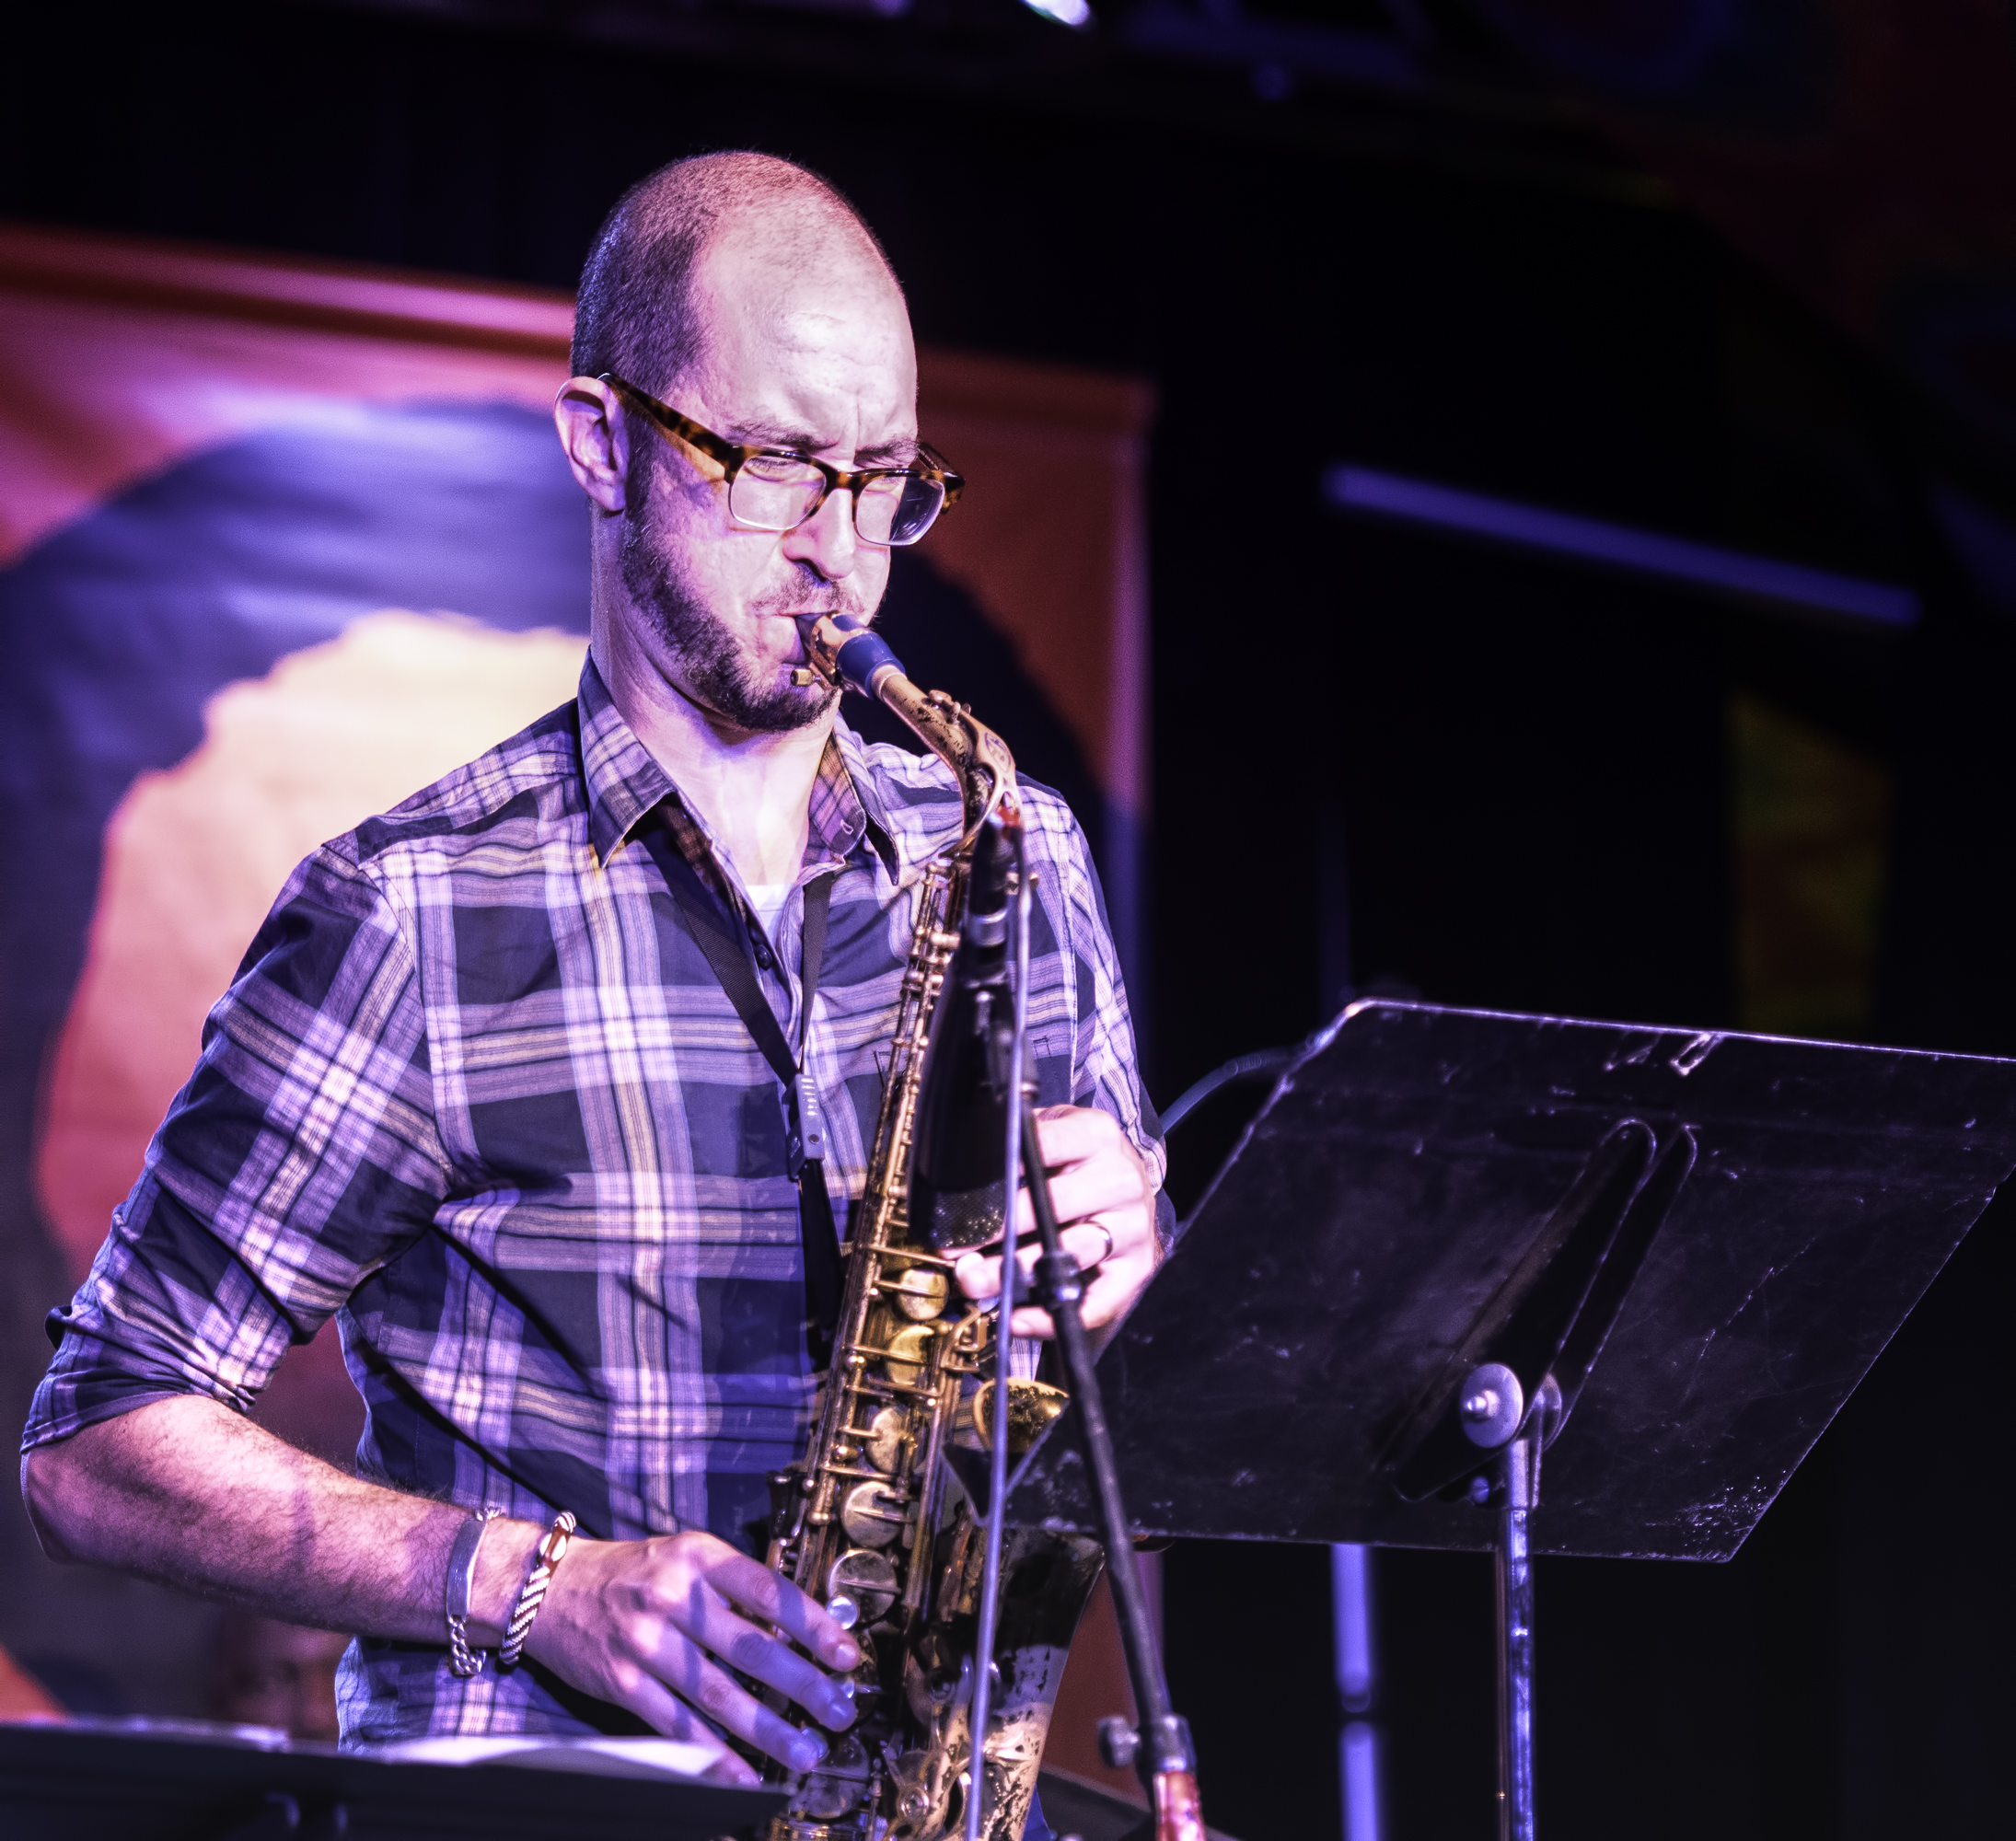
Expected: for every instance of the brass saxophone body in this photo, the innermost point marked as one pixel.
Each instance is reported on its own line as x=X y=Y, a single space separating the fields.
x=872 y=1521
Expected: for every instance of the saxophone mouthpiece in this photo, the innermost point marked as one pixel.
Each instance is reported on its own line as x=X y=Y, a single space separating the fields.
x=844 y=649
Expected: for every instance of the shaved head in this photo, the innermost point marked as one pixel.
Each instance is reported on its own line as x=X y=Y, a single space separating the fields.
x=641 y=312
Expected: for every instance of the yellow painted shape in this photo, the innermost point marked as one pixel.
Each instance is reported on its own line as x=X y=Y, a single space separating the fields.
x=195 y=855
x=1813 y=826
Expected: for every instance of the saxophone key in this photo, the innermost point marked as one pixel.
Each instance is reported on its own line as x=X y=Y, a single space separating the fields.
x=858 y=1472
x=884 y=1441
x=907 y=1353
x=867 y=1579
x=871 y=1516
x=890 y=1390
x=836 y=1788
x=936 y=1678
x=918 y=1292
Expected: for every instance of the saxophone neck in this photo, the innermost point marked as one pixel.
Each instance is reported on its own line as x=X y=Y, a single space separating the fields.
x=844 y=651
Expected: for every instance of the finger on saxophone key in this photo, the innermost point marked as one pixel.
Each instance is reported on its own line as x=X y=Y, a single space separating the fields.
x=841 y=1652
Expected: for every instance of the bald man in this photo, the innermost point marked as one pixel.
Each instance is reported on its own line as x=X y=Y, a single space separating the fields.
x=479 y=1093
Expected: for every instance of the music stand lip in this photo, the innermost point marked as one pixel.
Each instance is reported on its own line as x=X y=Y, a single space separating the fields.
x=1388 y=1186
x=56 y=1777
x=1694 y=1045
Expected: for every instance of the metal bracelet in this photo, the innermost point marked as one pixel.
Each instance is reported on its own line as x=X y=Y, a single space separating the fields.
x=551 y=1550
x=464 y=1662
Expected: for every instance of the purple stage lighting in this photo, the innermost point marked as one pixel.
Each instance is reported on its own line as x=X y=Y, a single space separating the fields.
x=1371 y=493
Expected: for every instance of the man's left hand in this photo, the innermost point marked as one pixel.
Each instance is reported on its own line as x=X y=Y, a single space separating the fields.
x=1100 y=1187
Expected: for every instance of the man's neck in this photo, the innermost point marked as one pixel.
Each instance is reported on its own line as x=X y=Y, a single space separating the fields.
x=753 y=791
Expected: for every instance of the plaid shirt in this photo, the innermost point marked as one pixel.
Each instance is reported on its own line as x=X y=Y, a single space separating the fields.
x=477 y=1092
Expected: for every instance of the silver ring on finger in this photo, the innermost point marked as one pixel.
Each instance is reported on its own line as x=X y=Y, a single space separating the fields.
x=1093 y=1266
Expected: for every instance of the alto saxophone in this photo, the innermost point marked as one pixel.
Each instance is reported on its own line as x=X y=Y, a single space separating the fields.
x=872 y=1521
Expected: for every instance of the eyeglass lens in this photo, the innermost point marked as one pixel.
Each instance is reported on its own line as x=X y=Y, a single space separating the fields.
x=773 y=492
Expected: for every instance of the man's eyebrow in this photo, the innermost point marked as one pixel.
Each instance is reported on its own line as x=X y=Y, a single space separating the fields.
x=772 y=434
x=898 y=453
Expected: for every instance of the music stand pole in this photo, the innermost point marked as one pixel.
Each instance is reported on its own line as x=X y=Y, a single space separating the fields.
x=1161 y=1749
x=1519 y=1474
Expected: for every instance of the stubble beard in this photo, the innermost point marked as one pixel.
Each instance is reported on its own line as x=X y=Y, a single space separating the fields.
x=719 y=673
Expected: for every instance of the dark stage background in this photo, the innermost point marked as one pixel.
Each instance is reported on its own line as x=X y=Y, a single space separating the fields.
x=1381 y=757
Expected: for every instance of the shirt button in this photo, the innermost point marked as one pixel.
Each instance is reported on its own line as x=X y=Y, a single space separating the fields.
x=765 y=959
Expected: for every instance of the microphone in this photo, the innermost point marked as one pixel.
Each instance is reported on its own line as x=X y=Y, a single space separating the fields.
x=958 y=1186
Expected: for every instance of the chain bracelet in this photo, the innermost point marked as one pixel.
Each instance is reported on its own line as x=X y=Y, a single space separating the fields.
x=464 y=1662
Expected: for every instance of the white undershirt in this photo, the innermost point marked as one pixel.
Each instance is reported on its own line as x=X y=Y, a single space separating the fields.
x=768 y=898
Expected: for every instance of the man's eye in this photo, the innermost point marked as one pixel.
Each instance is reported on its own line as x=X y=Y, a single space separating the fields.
x=780 y=469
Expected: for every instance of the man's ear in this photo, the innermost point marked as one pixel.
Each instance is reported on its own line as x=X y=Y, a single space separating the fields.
x=596 y=441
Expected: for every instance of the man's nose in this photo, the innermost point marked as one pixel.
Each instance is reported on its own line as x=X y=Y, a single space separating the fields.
x=826 y=539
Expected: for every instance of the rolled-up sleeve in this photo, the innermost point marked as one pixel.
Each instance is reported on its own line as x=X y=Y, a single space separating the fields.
x=302 y=1155
x=1106 y=1070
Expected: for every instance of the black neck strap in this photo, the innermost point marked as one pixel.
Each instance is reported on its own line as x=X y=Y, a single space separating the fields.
x=727 y=947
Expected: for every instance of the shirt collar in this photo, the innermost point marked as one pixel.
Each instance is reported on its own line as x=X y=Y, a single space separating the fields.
x=624 y=780
x=846 y=753
x=625 y=783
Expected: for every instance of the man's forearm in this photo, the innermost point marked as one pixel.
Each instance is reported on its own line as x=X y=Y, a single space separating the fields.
x=186 y=1492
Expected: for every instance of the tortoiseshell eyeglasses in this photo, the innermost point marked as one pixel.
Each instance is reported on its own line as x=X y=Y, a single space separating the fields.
x=774 y=489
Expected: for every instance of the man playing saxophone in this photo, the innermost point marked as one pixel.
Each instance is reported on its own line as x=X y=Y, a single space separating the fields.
x=479 y=1092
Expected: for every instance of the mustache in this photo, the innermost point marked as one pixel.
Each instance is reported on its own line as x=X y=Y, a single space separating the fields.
x=813 y=594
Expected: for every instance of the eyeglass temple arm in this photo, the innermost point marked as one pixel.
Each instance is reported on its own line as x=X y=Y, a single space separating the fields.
x=728 y=454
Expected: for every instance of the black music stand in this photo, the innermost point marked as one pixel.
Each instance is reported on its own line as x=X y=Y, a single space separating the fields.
x=58 y=1782
x=1453 y=1239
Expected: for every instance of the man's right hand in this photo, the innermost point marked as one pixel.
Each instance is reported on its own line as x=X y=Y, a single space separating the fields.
x=656 y=1625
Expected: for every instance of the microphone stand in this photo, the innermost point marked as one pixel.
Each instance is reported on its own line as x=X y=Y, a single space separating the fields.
x=1159 y=1751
